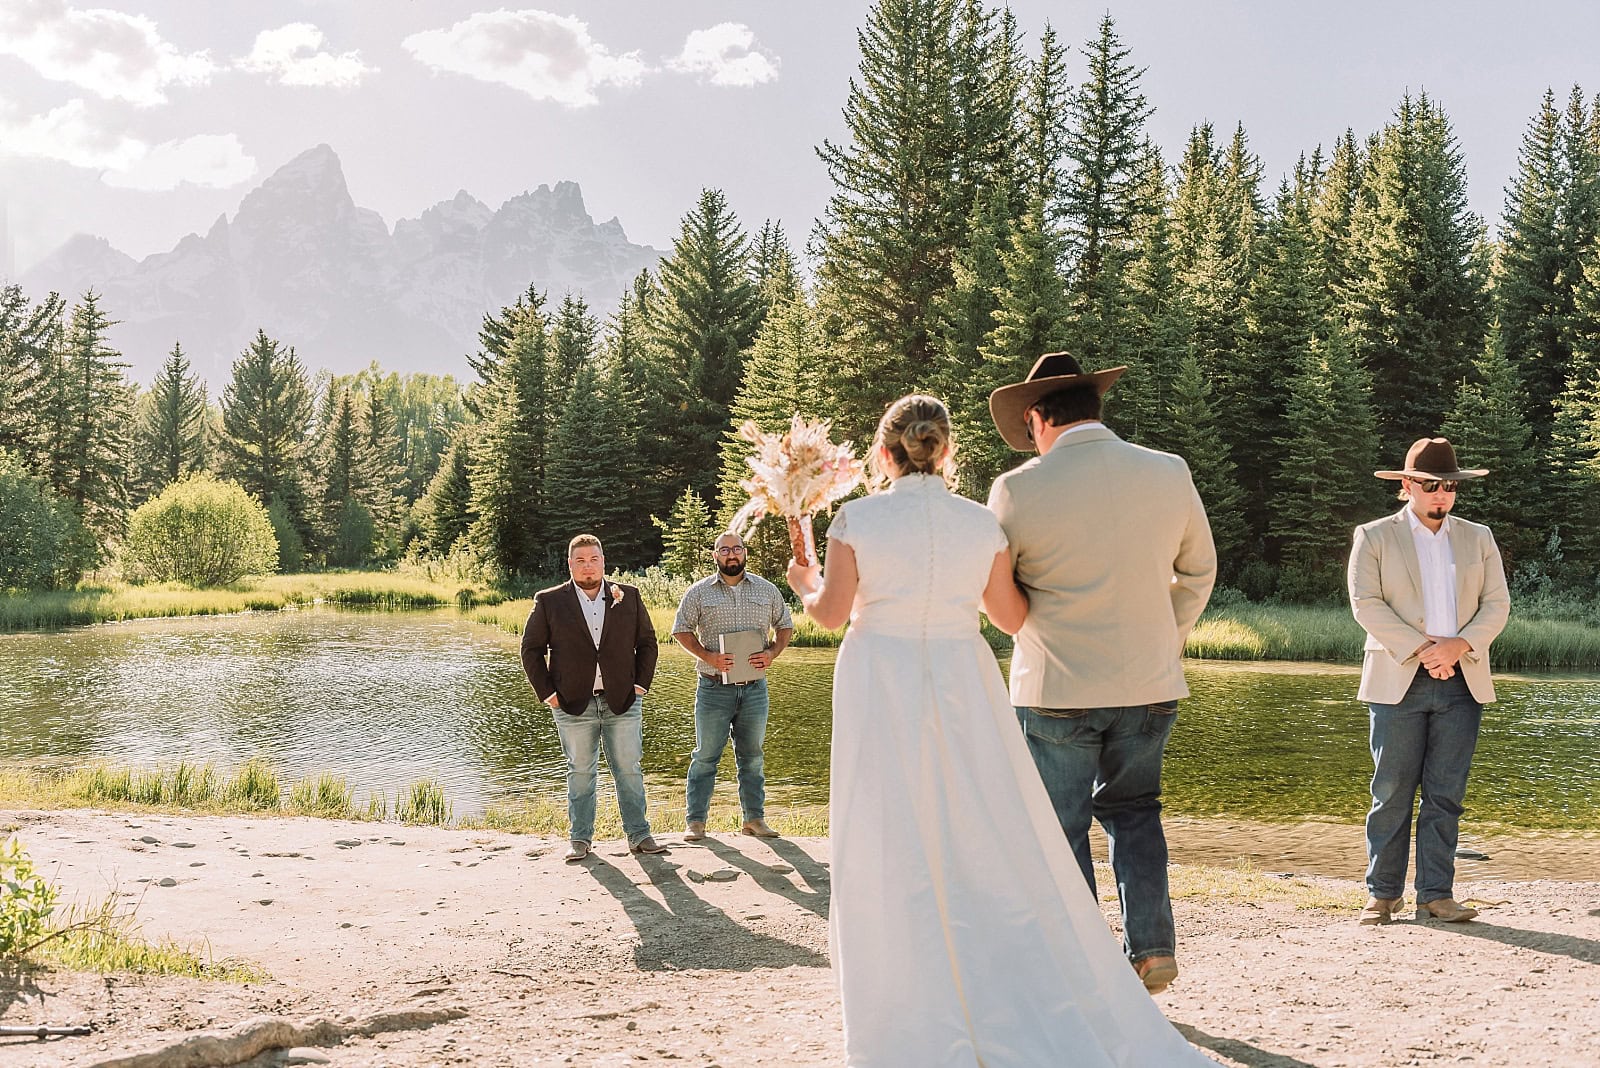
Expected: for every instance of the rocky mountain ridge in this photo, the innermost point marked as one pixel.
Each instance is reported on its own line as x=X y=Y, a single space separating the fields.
x=302 y=261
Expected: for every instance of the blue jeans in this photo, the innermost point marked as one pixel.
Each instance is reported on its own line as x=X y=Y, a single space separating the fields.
x=1105 y=763
x=1426 y=740
x=623 y=737
x=721 y=711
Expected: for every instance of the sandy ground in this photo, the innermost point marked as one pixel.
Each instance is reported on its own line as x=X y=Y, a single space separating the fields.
x=716 y=954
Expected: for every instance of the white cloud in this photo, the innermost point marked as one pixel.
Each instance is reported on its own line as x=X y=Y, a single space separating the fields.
x=111 y=54
x=725 y=54
x=70 y=134
x=291 y=53
x=214 y=160
x=547 y=56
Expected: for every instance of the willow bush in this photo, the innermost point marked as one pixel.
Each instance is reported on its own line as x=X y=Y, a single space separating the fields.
x=202 y=531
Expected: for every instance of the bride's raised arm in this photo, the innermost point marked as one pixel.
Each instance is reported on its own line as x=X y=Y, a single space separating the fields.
x=1003 y=600
x=828 y=600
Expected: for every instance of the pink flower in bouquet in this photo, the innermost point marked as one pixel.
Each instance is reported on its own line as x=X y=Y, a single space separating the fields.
x=796 y=475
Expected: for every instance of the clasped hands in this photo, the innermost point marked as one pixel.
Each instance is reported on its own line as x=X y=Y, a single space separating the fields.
x=1440 y=655
x=724 y=661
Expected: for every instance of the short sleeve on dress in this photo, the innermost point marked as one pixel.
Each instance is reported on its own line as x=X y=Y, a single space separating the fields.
x=838 y=530
x=999 y=542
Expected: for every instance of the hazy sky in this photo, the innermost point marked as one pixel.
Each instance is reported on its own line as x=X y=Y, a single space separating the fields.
x=143 y=120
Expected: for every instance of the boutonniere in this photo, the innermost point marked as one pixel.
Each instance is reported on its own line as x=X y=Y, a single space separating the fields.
x=617 y=594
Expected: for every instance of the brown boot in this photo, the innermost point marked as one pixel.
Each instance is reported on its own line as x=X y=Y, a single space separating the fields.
x=1380 y=910
x=1157 y=973
x=758 y=828
x=1446 y=909
x=695 y=831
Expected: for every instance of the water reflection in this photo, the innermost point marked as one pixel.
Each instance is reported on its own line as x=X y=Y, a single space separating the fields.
x=386 y=698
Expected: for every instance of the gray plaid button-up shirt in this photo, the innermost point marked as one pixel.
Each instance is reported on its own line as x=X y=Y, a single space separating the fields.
x=711 y=608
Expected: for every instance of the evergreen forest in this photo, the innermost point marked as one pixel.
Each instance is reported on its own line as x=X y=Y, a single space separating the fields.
x=994 y=199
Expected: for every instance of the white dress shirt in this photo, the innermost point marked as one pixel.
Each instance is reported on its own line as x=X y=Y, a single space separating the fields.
x=594 y=613
x=1438 y=576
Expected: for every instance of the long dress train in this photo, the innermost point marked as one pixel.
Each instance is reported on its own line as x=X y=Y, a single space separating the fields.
x=962 y=932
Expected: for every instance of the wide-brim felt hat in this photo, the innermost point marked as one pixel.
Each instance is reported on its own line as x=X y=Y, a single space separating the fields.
x=1054 y=370
x=1432 y=458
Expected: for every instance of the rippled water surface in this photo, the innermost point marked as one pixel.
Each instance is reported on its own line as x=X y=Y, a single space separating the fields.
x=387 y=698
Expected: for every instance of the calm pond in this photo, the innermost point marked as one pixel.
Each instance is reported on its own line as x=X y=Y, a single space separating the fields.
x=388 y=698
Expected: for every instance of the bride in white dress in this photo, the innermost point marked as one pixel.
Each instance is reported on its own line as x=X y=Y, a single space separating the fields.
x=961 y=929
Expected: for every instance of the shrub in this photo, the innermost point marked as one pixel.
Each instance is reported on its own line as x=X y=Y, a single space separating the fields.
x=43 y=544
x=26 y=900
x=354 y=537
x=291 y=546
x=201 y=531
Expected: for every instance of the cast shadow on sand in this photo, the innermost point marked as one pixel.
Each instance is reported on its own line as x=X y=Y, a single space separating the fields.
x=813 y=897
x=1243 y=1052
x=1586 y=950
x=687 y=931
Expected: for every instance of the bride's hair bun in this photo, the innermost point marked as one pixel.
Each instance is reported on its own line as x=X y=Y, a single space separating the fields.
x=923 y=441
x=915 y=432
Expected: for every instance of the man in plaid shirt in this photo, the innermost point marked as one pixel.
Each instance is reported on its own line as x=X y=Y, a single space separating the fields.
x=726 y=601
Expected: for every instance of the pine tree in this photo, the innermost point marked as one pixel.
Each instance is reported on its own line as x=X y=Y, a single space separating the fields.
x=1328 y=455
x=349 y=484
x=574 y=338
x=772 y=262
x=1533 y=286
x=965 y=318
x=444 y=513
x=1488 y=429
x=1033 y=318
x=1198 y=439
x=1334 y=213
x=587 y=484
x=1105 y=139
x=708 y=316
x=494 y=339
x=1103 y=205
x=890 y=231
x=1157 y=318
x=783 y=377
x=99 y=401
x=686 y=534
x=1287 y=305
x=170 y=441
x=1571 y=509
x=509 y=459
x=25 y=347
x=1416 y=302
x=267 y=412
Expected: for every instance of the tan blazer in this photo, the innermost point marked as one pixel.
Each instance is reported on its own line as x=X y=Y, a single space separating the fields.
x=1111 y=544
x=1386 y=596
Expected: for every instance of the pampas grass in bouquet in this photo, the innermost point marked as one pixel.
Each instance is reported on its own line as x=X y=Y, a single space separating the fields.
x=795 y=474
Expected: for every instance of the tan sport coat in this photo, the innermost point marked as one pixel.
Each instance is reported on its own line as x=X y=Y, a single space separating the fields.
x=1111 y=544
x=1386 y=596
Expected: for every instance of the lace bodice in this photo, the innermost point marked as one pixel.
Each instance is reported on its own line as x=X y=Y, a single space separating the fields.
x=924 y=556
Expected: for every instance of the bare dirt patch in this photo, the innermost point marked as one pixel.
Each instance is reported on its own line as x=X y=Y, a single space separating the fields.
x=716 y=953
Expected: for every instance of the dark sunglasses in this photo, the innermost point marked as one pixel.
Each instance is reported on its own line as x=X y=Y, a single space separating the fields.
x=1431 y=485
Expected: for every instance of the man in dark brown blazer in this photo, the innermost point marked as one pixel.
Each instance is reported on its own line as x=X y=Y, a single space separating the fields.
x=589 y=651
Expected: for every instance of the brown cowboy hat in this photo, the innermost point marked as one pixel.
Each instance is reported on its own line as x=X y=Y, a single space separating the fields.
x=1009 y=405
x=1432 y=458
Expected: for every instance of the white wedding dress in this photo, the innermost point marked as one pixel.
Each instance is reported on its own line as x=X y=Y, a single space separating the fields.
x=961 y=929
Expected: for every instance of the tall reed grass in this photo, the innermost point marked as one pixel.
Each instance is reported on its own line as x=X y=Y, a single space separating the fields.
x=1246 y=631
x=122 y=601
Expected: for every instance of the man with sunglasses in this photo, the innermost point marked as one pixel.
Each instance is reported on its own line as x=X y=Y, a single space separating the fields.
x=1430 y=591
x=730 y=602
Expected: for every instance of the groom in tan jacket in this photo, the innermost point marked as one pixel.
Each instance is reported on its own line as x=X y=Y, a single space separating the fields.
x=1430 y=591
x=1111 y=544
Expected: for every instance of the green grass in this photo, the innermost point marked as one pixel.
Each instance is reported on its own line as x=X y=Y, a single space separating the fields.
x=104 y=938
x=1300 y=632
x=121 y=601
x=548 y=818
x=325 y=795
x=424 y=802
